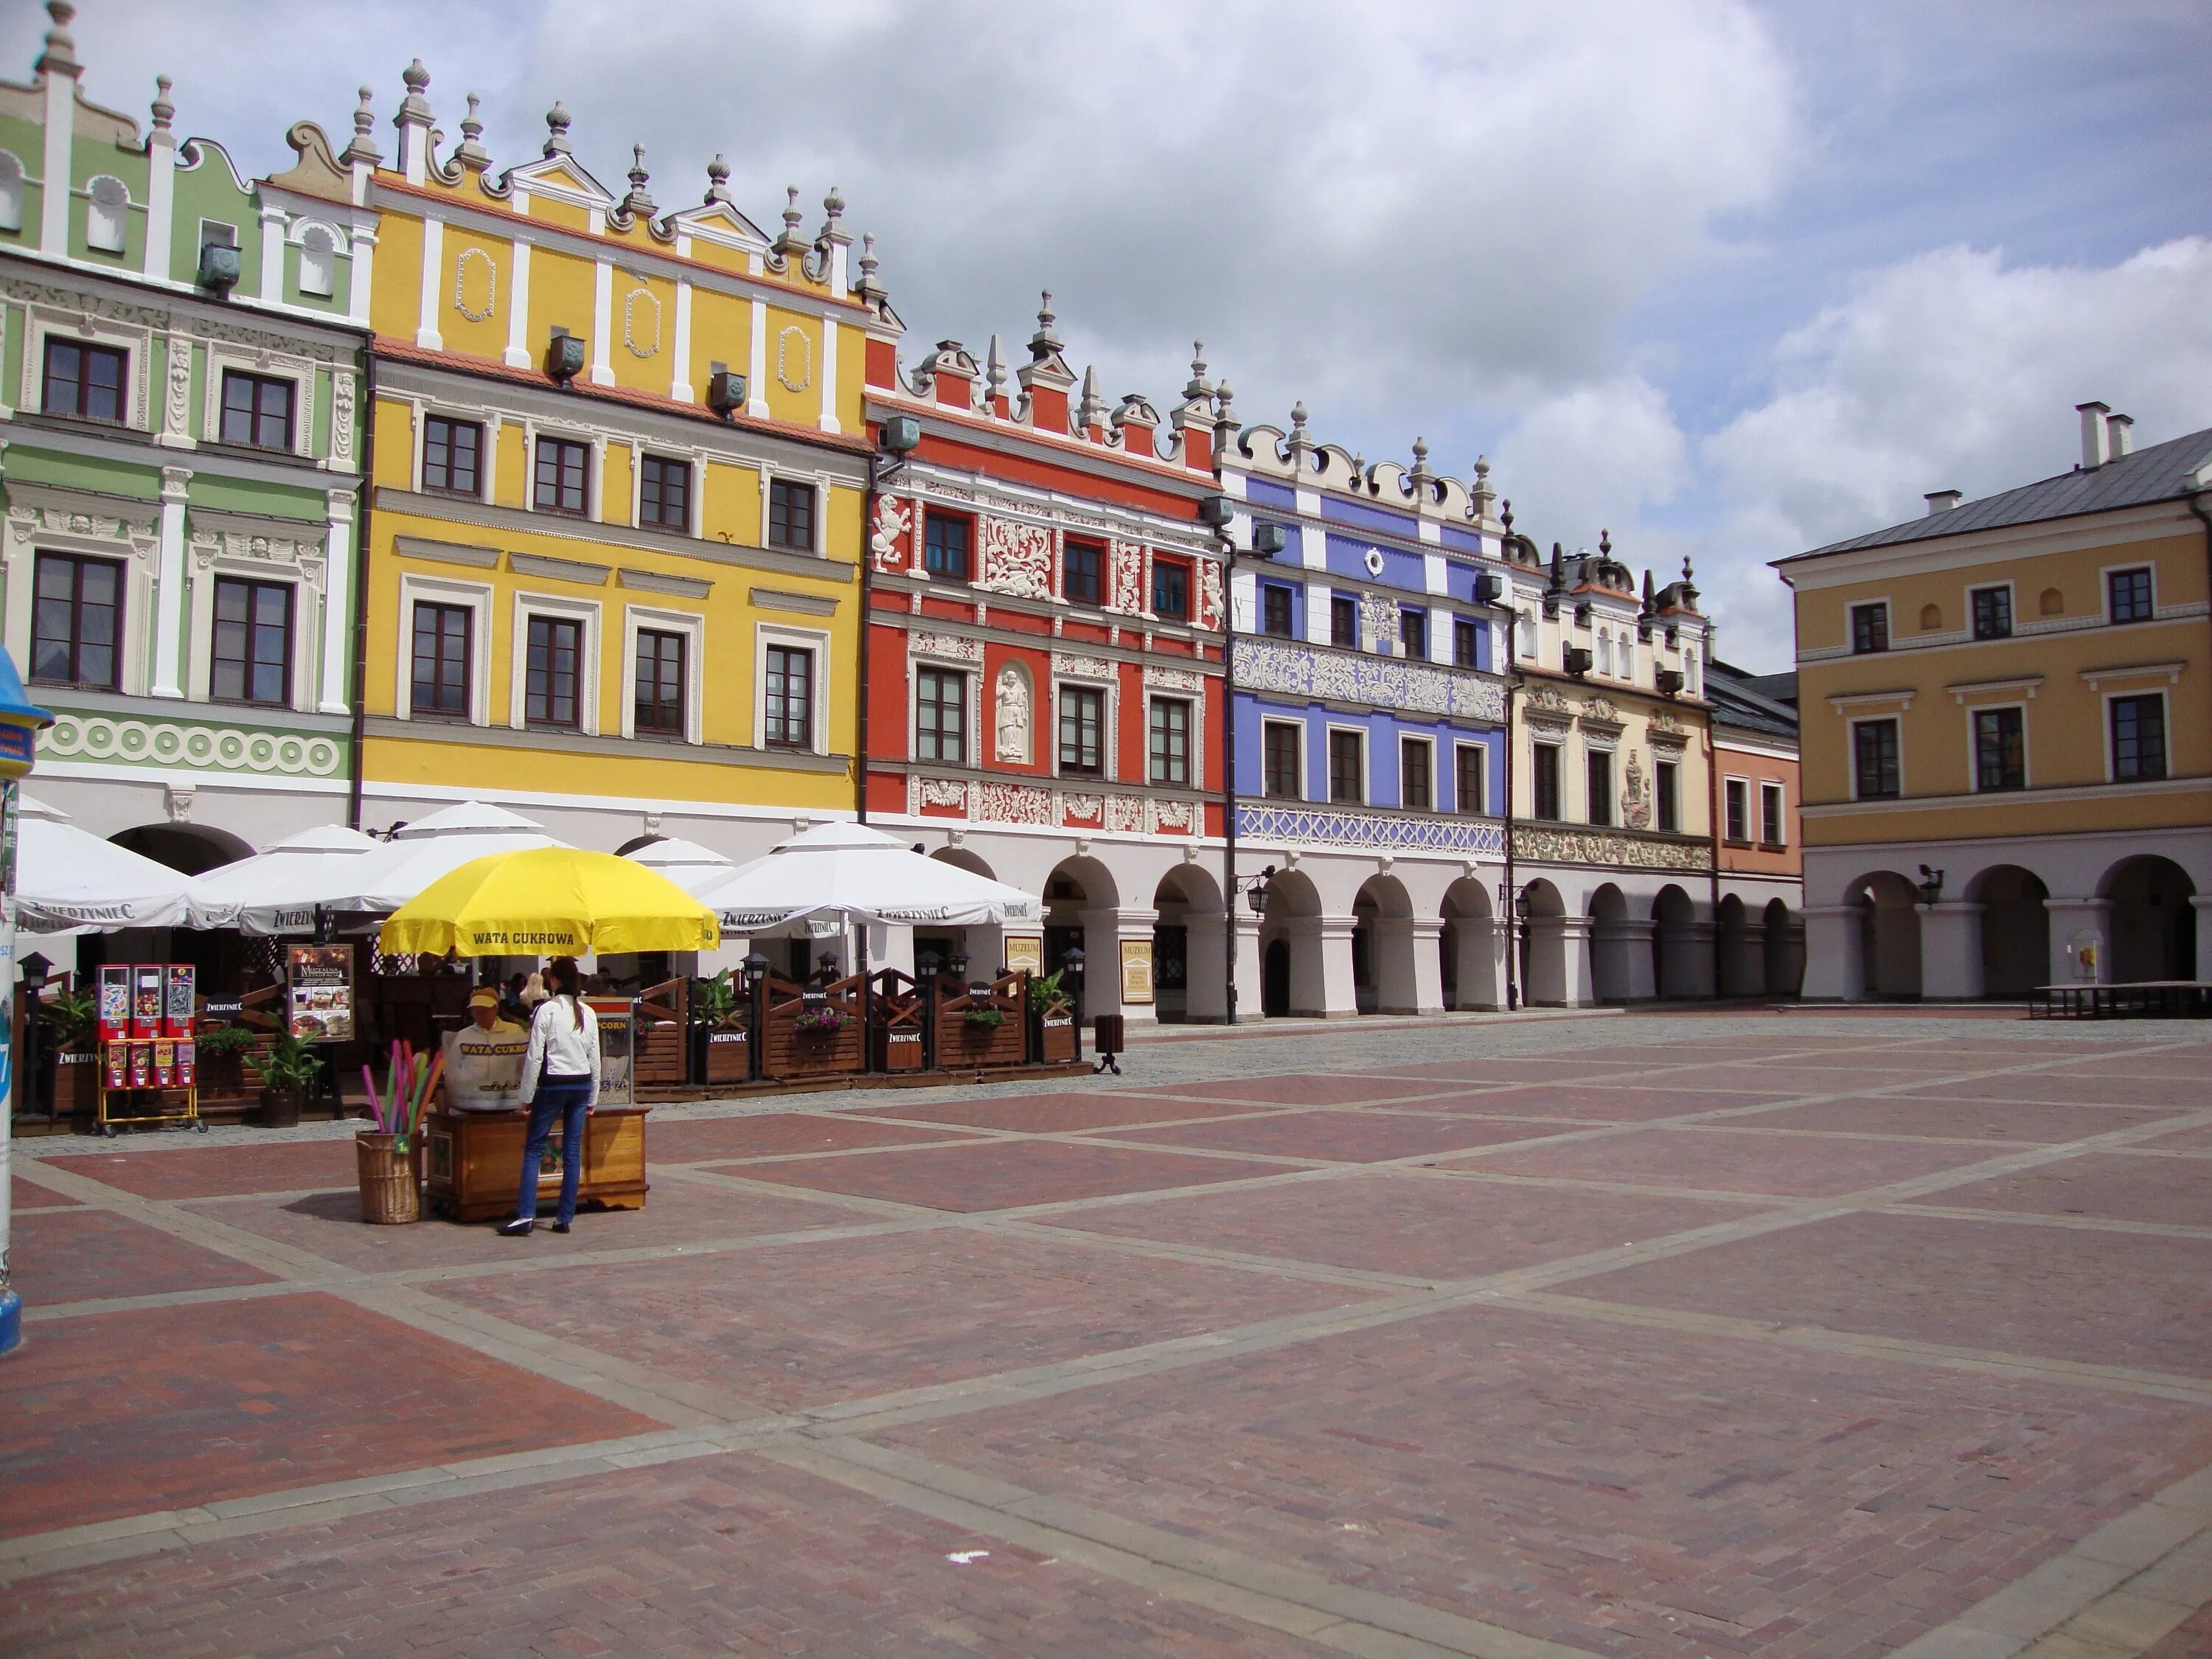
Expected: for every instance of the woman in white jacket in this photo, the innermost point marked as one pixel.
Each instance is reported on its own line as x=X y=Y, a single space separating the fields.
x=560 y=1079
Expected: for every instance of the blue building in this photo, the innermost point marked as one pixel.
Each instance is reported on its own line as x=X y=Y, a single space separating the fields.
x=1368 y=712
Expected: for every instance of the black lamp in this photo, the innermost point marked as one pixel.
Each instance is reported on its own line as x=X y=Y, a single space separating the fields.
x=1931 y=885
x=927 y=964
x=35 y=971
x=755 y=966
x=957 y=964
x=829 y=964
x=1256 y=894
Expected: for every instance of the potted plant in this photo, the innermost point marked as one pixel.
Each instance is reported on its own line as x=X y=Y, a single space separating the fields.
x=221 y=1055
x=69 y=1044
x=823 y=1020
x=719 y=1013
x=1053 y=1006
x=981 y=1022
x=287 y=1073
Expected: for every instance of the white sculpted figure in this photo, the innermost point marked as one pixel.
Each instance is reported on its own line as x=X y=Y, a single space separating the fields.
x=1013 y=716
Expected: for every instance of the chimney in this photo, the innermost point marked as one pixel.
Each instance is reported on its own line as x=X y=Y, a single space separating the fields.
x=2120 y=430
x=2093 y=434
x=1942 y=500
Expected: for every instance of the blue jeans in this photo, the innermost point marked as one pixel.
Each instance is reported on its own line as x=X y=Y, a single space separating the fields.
x=564 y=1097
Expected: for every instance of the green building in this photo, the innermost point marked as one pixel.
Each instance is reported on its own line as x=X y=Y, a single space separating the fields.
x=181 y=401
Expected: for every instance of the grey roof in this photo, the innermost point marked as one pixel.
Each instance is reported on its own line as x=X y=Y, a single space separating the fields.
x=1739 y=700
x=2163 y=472
x=1782 y=688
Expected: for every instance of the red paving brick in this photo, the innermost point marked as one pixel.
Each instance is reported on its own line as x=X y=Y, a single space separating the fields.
x=30 y=1195
x=69 y=1255
x=1001 y=1174
x=211 y=1171
x=796 y=1325
x=2199 y=1139
x=116 y=1414
x=1629 y=1492
x=1300 y=1089
x=1621 y=1103
x=2075 y=1089
x=768 y=1134
x=1347 y=1136
x=712 y=1557
x=1417 y=1225
x=1970 y=1120
x=1519 y=1069
x=2190 y=1063
x=2112 y=1185
x=1733 y=1160
x=2108 y=1298
x=1056 y=1114
x=676 y=1211
x=2191 y=1639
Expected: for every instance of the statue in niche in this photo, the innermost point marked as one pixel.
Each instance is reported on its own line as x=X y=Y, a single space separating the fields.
x=1012 y=702
x=1636 y=794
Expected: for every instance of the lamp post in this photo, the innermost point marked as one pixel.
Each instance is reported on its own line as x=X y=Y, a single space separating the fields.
x=20 y=720
x=1931 y=886
x=896 y=437
x=35 y=971
x=1219 y=512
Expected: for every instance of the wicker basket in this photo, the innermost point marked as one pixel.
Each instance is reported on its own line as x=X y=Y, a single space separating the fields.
x=390 y=1180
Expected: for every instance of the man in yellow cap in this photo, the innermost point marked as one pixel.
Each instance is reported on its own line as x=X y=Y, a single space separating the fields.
x=484 y=1059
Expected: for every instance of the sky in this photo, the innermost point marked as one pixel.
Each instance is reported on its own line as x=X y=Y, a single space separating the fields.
x=1727 y=280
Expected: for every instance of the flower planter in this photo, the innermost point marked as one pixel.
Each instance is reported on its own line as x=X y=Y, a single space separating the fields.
x=390 y=1180
x=280 y=1108
x=76 y=1082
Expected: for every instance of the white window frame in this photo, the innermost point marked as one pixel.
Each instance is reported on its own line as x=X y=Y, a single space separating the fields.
x=1194 y=759
x=306 y=631
x=2166 y=717
x=2104 y=575
x=2012 y=602
x=1736 y=781
x=1674 y=764
x=477 y=597
x=279 y=366
x=816 y=640
x=1851 y=752
x=1973 y=760
x=1329 y=765
x=136 y=551
x=693 y=627
x=484 y=420
x=1559 y=746
x=1779 y=823
x=136 y=344
x=693 y=486
x=1427 y=741
x=1611 y=751
x=1460 y=746
x=1109 y=767
x=971 y=700
x=815 y=485
x=1851 y=636
x=1304 y=783
x=595 y=488
x=587 y=612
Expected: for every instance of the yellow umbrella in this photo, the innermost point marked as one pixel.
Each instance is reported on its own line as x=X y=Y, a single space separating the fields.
x=549 y=901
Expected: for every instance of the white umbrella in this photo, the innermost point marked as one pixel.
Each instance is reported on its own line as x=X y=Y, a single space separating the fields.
x=277 y=890
x=689 y=865
x=864 y=874
x=427 y=849
x=69 y=880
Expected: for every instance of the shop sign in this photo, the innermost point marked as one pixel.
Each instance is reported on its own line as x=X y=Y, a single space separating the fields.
x=1136 y=970
x=318 y=992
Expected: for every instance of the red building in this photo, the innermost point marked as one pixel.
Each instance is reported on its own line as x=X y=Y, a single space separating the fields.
x=1043 y=691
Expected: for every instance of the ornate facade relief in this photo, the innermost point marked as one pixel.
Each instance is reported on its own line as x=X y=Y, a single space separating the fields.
x=1016 y=803
x=1071 y=665
x=341 y=397
x=1339 y=826
x=1636 y=794
x=1125 y=572
x=1212 y=611
x=177 y=403
x=1265 y=664
x=1378 y=623
x=162 y=744
x=475 y=285
x=1010 y=716
x=887 y=541
x=1158 y=678
x=1553 y=844
x=1016 y=558
x=953 y=647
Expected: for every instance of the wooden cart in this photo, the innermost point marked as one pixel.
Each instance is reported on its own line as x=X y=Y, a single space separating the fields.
x=474 y=1166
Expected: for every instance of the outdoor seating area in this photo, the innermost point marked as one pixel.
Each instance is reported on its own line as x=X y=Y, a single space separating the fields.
x=2162 y=999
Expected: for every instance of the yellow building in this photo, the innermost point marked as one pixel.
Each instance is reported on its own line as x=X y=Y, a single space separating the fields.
x=2006 y=769
x=619 y=473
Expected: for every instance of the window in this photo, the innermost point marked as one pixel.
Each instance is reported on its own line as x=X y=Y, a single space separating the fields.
x=940 y=716
x=441 y=659
x=1344 y=620
x=1347 y=767
x=663 y=497
x=318 y=256
x=1736 y=805
x=1992 y=613
x=1170 y=740
x=257 y=410
x=1414 y=634
x=1417 y=786
x=77 y=622
x=1466 y=636
x=1082 y=730
x=656 y=701
x=83 y=381
x=2139 y=738
x=252 y=642
x=1667 y=789
x=1597 y=769
x=107 y=214
x=791 y=516
x=11 y=191
x=2130 y=592
x=1870 y=628
x=1279 y=771
x=453 y=456
x=790 y=715
x=1772 y=832
x=2000 y=749
x=1873 y=759
x=1544 y=764
x=1275 y=611
x=944 y=546
x=550 y=686
x=1471 y=777
x=1170 y=589
x=1083 y=573
x=563 y=476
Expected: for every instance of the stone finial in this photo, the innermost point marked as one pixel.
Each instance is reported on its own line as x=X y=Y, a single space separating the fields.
x=718 y=180
x=472 y=154
x=1651 y=603
x=637 y=202
x=363 y=148
x=1045 y=341
x=1505 y=515
x=60 y=56
x=1197 y=390
x=833 y=212
x=414 y=107
x=995 y=369
x=1605 y=544
x=556 y=131
x=791 y=213
x=164 y=111
x=1224 y=406
x=1092 y=410
x=1299 y=444
x=870 y=290
x=1421 y=474
x=1481 y=470
x=1687 y=574
x=1559 y=567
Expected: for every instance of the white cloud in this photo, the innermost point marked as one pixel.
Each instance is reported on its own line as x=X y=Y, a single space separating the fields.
x=1594 y=457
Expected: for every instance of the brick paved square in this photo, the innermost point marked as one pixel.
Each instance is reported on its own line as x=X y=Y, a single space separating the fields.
x=1076 y=1109
x=692 y=1560
x=1596 y=1103
x=30 y=1196
x=1731 y=1160
x=2103 y=1299
x=1347 y=1136
x=2199 y=1139
x=2024 y=1121
x=114 y=1414
x=2191 y=1639
x=1833 y=1075
x=1404 y=1223
x=1628 y=1491
x=210 y=1171
x=768 y=1134
x=1524 y=1068
x=72 y=1254
x=2064 y=1088
x=1003 y=1175
x=2114 y=1185
x=2188 y=1062
x=796 y=1325
x=1302 y=1088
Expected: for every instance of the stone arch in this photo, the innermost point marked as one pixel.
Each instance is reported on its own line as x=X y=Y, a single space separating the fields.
x=188 y=849
x=1080 y=898
x=1468 y=947
x=1783 y=948
x=1679 y=966
x=2014 y=929
x=1889 y=934
x=961 y=859
x=1739 y=960
x=1292 y=973
x=1612 y=941
x=1190 y=951
x=1545 y=982
x=2151 y=927
x=1383 y=968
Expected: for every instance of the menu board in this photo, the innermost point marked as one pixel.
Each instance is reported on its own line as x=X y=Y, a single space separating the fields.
x=617 y=1034
x=319 y=987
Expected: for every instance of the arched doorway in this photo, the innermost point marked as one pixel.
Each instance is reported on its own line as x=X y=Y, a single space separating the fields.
x=1291 y=946
x=1611 y=975
x=1784 y=948
x=1742 y=971
x=2015 y=929
x=1275 y=979
x=224 y=960
x=1674 y=945
x=2152 y=927
x=1468 y=943
x=1544 y=946
x=1382 y=948
x=1080 y=898
x=1889 y=934
x=189 y=848
x=1189 y=954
